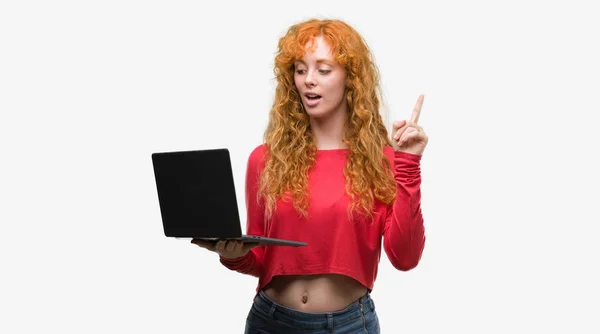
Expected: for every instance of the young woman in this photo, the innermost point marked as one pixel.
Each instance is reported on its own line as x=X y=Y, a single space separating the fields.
x=329 y=175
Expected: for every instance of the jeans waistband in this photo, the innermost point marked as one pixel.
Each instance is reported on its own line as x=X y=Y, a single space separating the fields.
x=357 y=309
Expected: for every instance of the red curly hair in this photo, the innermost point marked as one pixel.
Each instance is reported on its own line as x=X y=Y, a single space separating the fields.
x=290 y=146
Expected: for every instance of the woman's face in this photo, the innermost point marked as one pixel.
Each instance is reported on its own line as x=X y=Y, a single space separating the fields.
x=321 y=82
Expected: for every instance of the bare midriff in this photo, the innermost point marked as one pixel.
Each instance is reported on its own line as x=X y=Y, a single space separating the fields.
x=315 y=293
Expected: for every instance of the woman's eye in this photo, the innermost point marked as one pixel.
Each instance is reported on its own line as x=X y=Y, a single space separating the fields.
x=324 y=71
x=300 y=71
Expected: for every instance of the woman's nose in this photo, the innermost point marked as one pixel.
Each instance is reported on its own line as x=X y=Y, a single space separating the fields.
x=310 y=79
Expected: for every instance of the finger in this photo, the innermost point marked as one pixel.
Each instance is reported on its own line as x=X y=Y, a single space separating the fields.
x=210 y=245
x=230 y=245
x=239 y=245
x=399 y=133
x=220 y=246
x=397 y=125
x=408 y=125
x=417 y=110
x=407 y=134
x=412 y=136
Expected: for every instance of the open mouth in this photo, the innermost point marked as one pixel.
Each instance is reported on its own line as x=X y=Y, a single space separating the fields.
x=313 y=97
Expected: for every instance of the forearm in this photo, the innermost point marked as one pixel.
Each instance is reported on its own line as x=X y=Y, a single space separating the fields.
x=249 y=264
x=404 y=236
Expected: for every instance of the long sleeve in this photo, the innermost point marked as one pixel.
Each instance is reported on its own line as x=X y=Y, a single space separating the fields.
x=251 y=263
x=403 y=231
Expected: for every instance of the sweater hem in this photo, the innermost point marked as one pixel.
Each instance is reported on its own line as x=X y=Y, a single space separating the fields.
x=264 y=280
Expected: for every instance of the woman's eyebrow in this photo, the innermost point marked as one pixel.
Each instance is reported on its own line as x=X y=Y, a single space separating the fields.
x=320 y=60
x=325 y=60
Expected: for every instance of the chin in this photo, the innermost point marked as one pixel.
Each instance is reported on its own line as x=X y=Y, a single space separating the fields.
x=317 y=116
x=316 y=113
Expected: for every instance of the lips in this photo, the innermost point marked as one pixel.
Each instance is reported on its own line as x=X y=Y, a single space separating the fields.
x=311 y=99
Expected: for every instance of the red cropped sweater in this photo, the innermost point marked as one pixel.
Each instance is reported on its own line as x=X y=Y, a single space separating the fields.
x=335 y=244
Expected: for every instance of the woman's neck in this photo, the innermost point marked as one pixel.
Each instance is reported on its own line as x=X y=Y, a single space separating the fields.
x=329 y=133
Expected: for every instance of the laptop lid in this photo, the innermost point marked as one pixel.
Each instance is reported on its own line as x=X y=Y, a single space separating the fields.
x=196 y=193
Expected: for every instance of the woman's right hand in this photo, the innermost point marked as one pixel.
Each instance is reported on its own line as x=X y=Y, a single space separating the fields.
x=229 y=249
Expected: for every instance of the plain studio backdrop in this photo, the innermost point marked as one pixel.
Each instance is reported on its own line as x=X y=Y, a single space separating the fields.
x=89 y=89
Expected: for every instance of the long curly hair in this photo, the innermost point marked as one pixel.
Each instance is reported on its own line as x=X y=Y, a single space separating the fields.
x=290 y=146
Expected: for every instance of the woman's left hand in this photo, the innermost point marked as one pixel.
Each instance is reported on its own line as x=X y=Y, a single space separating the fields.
x=408 y=136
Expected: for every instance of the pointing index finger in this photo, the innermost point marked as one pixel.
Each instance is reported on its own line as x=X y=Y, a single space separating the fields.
x=417 y=110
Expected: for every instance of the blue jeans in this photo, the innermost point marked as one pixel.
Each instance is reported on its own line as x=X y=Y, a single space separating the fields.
x=267 y=317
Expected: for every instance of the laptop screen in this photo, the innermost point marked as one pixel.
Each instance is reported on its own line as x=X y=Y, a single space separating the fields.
x=196 y=193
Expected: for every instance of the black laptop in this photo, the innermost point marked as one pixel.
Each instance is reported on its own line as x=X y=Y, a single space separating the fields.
x=197 y=199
